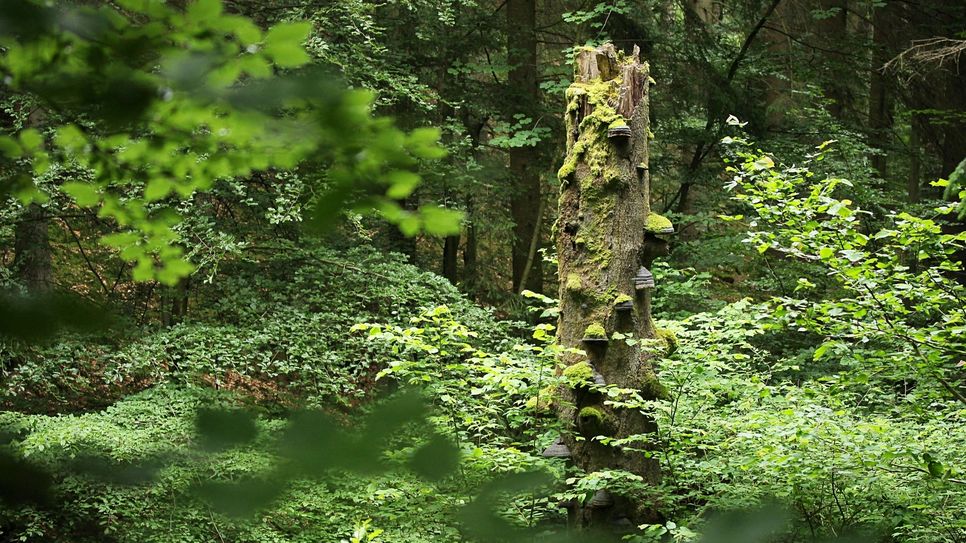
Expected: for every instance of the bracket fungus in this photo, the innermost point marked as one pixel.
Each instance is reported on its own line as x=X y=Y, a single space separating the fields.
x=557 y=449
x=644 y=279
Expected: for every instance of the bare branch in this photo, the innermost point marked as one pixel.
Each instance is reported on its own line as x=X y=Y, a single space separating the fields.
x=925 y=55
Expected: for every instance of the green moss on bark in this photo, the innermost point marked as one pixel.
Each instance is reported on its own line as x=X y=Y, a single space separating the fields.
x=579 y=374
x=669 y=338
x=574 y=282
x=543 y=402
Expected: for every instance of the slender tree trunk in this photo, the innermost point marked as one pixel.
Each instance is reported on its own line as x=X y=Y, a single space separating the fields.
x=833 y=32
x=685 y=196
x=915 y=161
x=524 y=166
x=32 y=256
x=470 y=249
x=704 y=10
x=451 y=246
x=881 y=94
x=179 y=302
x=173 y=302
x=778 y=88
x=954 y=130
x=603 y=210
x=400 y=243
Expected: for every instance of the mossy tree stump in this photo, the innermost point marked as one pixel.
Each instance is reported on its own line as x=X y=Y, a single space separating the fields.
x=604 y=186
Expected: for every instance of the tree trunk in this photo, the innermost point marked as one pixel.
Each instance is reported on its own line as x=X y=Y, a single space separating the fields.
x=915 y=161
x=881 y=94
x=32 y=258
x=524 y=165
x=451 y=247
x=704 y=10
x=833 y=33
x=778 y=88
x=954 y=129
x=470 y=249
x=399 y=242
x=600 y=239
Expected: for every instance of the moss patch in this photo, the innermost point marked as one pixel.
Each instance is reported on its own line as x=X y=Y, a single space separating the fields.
x=594 y=421
x=652 y=388
x=579 y=374
x=595 y=331
x=574 y=282
x=595 y=414
x=669 y=338
x=657 y=224
x=622 y=298
x=543 y=401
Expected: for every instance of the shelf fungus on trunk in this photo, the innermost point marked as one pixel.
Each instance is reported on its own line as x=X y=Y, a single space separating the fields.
x=557 y=449
x=624 y=304
x=644 y=279
x=604 y=206
x=656 y=231
x=595 y=334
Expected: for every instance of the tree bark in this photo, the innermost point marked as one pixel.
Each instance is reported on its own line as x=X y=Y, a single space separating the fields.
x=399 y=242
x=524 y=164
x=600 y=237
x=32 y=256
x=778 y=88
x=881 y=93
x=451 y=246
x=470 y=249
x=915 y=161
x=174 y=303
x=833 y=32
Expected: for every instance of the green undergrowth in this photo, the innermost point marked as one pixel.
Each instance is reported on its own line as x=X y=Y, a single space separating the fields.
x=275 y=330
x=752 y=418
x=154 y=432
x=269 y=337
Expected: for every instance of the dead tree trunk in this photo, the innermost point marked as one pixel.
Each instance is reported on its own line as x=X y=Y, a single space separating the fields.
x=603 y=216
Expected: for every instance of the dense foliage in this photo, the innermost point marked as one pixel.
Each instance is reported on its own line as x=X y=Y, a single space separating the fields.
x=279 y=272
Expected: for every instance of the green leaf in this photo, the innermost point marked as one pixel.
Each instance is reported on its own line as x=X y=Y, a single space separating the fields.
x=84 y=194
x=10 y=147
x=424 y=143
x=283 y=44
x=157 y=189
x=255 y=66
x=31 y=139
x=70 y=137
x=764 y=163
x=822 y=349
x=174 y=270
x=409 y=225
x=203 y=10
x=436 y=459
x=120 y=240
x=244 y=29
x=826 y=253
x=402 y=183
x=438 y=221
x=221 y=428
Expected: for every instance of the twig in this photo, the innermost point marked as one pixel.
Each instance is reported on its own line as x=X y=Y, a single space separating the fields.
x=83 y=253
